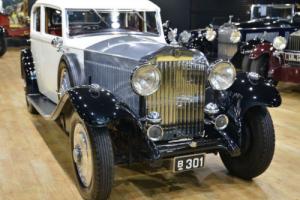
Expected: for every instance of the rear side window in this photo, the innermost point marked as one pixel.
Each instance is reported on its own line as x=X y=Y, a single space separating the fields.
x=53 y=22
x=37 y=19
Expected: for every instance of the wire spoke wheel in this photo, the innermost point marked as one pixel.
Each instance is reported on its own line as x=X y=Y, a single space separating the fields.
x=65 y=83
x=82 y=155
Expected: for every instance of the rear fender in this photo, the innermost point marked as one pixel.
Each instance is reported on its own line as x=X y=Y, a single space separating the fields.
x=28 y=72
x=261 y=50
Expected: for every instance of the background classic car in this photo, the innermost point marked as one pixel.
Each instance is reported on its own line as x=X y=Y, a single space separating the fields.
x=14 y=22
x=278 y=61
x=267 y=22
x=125 y=96
x=234 y=39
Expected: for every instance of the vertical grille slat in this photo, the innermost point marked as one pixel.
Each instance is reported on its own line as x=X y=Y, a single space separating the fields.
x=180 y=99
x=294 y=43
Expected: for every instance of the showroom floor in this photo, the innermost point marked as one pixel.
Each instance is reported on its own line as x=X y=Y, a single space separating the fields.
x=35 y=161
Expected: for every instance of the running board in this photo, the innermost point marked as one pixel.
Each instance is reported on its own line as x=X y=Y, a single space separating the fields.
x=42 y=104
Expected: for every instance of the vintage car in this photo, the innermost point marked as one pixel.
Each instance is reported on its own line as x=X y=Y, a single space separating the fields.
x=277 y=61
x=14 y=23
x=235 y=39
x=103 y=71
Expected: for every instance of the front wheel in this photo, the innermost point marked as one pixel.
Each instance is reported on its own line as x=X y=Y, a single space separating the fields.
x=93 y=161
x=3 y=46
x=258 y=144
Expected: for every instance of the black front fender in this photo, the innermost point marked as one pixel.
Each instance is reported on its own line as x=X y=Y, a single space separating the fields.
x=254 y=91
x=97 y=106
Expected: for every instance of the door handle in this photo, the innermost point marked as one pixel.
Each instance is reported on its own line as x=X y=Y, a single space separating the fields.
x=57 y=43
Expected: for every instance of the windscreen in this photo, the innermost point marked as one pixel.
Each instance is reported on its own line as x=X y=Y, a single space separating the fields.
x=83 y=22
x=282 y=11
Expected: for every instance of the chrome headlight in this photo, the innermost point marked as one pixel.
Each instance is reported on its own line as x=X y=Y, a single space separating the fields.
x=185 y=37
x=235 y=36
x=222 y=75
x=146 y=80
x=210 y=34
x=280 y=43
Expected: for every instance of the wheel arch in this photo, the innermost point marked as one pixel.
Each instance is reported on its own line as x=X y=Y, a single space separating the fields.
x=73 y=67
x=253 y=90
x=260 y=50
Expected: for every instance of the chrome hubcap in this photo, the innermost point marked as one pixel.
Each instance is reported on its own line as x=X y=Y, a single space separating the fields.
x=82 y=155
x=65 y=84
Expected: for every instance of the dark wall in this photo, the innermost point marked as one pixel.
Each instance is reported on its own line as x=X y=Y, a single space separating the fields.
x=177 y=11
x=191 y=14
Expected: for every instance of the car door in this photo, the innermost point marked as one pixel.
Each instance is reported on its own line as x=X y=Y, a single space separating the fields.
x=51 y=53
x=35 y=40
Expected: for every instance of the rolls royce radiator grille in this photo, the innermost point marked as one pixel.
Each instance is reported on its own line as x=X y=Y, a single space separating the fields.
x=294 y=43
x=180 y=99
x=227 y=50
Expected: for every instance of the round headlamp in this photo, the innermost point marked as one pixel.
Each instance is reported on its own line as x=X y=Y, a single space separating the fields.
x=222 y=75
x=185 y=37
x=146 y=80
x=280 y=43
x=235 y=36
x=210 y=34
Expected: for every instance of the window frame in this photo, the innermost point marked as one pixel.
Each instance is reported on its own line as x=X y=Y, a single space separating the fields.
x=157 y=17
x=44 y=21
x=34 y=18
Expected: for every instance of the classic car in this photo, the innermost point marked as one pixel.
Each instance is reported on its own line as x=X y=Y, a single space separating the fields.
x=14 y=23
x=235 y=39
x=103 y=71
x=278 y=61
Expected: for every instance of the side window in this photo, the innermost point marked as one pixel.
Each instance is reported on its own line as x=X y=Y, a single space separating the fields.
x=37 y=19
x=53 y=22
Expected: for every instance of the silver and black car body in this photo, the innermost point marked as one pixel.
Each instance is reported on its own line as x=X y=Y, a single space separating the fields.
x=129 y=97
x=3 y=46
x=184 y=109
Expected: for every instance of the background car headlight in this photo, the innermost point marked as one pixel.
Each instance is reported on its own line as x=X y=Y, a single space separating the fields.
x=146 y=80
x=210 y=34
x=222 y=75
x=185 y=37
x=235 y=36
x=280 y=43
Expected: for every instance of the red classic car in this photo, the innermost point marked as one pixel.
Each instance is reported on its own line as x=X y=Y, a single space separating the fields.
x=14 y=23
x=278 y=61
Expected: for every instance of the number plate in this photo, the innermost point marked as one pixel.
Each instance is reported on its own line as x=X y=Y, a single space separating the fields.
x=187 y=163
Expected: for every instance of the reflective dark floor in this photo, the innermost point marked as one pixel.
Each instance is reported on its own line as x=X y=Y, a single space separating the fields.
x=35 y=158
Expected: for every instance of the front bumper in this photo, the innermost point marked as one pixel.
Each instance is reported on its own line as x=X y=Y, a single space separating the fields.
x=194 y=146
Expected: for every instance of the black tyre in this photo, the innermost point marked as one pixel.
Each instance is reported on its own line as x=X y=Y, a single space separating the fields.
x=246 y=62
x=260 y=66
x=93 y=160
x=258 y=144
x=3 y=46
